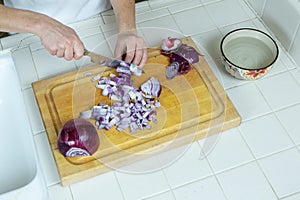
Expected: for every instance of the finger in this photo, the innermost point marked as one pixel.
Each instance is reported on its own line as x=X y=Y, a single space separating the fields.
x=69 y=53
x=140 y=56
x=130 y=52
x=60 y=53
x=144 y=58
x=119 y=51
x=53 y=51
x=78 y=50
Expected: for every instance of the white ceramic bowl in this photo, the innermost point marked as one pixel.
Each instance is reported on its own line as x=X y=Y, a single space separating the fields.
x=248 y=53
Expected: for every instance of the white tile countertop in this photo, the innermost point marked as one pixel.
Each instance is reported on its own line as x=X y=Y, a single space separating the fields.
x=260 y=159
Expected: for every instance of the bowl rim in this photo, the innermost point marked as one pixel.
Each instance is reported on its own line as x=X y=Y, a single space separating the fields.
x=251 y=29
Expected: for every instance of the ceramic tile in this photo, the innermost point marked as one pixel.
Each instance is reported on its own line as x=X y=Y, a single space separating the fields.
x=104 y=185
x=295 y=48
x=137 y=186
x=257 y=5
x=206 y=2
x=229 y=151
x=237 y=14
x=48 y=65
x=285 y=58
x=155 y=4
x=246 y=182
x=152 y=15
x=278 y=67
x=289 y=118
x=91 y=22
x=202 y=24
x=187 y=158
x=25 y=67
x=97 y=43
x=156 y=30
x=90 y=32
x=167 y=195
x=249 y=101
x=17 y=40
x=46 y=159
x=182 y=6
x=34 y=115
x=283 y=26
x=247 y=8
x=204 y=189
x=265 y=135
x=108 y=16
x=58 y=191
x=280 y=91
x=296 y=74
x=35 y=46
x=282 y=171
x=293 y=197
x=259 y=23
x=142 y=7
x=246 y=24
x=210 y=41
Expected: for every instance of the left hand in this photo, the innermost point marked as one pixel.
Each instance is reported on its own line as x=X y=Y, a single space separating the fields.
x=133 y=46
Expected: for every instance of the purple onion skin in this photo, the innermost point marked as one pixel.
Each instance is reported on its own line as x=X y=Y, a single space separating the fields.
x=182 y=55
x=78 y=133
x=185 y=51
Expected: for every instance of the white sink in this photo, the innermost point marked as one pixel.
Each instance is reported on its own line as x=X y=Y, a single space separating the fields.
x=20 y=174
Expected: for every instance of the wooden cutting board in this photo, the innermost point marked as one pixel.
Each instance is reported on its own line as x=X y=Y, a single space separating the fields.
x=193 y=106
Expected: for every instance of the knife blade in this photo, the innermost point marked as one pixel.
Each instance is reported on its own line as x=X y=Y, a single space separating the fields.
x=112 y=62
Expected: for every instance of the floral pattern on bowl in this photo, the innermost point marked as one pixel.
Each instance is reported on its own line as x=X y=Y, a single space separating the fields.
x=244 y=74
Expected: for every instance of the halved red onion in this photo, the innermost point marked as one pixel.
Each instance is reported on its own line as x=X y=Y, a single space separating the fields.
x=78 y=137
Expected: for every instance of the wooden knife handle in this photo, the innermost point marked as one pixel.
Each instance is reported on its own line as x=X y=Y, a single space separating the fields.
x=95 y=58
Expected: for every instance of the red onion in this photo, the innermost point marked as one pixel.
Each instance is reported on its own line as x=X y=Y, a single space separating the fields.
x=181 y=56
x=78 y=137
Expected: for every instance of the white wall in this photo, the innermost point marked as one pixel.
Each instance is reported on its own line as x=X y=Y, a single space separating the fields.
x=283 y=18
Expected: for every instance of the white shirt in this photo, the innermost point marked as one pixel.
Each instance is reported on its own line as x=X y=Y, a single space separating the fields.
x=65 y=11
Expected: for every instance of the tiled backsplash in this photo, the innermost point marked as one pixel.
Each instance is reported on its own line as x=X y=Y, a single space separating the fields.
x=283 y=18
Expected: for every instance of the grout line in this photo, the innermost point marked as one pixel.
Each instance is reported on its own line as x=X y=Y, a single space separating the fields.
x=290 y=195
x=256 y=161
x=71 y=192
x=263 y=8
x=164 y=174
x=215 y=175
x=294 y=36
x=122 y=192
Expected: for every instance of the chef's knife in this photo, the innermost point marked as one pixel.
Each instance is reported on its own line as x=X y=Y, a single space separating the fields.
x=112 y=62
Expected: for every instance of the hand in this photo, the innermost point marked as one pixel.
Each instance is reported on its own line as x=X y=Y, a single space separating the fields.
x=133 y=46
x=61 y=40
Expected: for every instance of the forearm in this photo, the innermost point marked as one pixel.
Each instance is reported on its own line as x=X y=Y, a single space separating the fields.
x=20 y=21
x=125 y=14
x=58 y=39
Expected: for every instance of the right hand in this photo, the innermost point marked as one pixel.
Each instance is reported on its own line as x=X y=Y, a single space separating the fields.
x=61 y=40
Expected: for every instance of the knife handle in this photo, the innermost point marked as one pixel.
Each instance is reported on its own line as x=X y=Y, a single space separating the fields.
x=95 y=58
